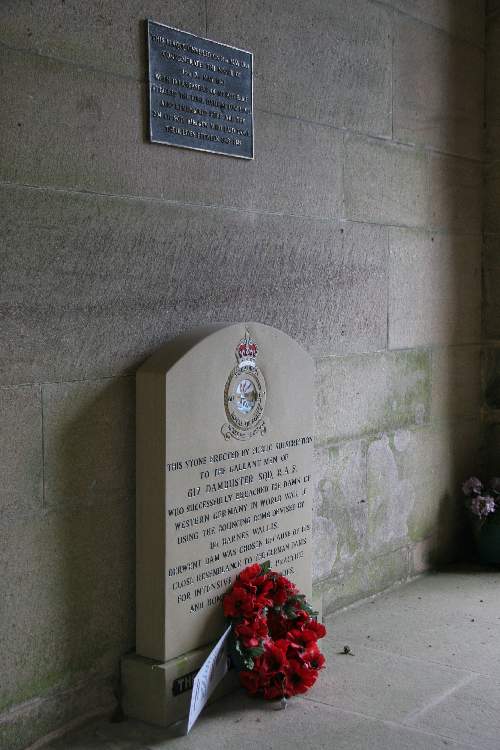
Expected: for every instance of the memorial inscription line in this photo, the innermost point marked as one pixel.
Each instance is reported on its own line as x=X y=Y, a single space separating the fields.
x=240 y=517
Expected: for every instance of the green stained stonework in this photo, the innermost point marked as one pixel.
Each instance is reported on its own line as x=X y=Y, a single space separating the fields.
x=371 y=393
x=366 y=575
x=340 y=508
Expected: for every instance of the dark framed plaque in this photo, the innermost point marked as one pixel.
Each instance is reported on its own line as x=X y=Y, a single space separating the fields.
x=200 y=93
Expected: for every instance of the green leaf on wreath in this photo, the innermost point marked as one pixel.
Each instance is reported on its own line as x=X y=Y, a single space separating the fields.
x=265 y=567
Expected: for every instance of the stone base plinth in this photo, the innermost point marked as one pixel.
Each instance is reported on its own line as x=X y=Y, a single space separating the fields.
x=160 y=693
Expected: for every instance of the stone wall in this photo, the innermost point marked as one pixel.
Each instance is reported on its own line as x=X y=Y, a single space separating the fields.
x=356 y=229
x=491 y=257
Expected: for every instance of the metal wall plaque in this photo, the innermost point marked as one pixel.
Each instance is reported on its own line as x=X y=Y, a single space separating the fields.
x=200 y=93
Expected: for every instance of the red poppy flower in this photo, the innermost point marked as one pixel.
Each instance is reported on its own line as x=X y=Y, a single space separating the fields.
x=275 y=688
x=238 y=603
x=251 y=633
x=317 y=627
x=250 y=681
x=278 y=625
x=299 y=678
x=274 y=659
x=313 y=657
x=250 y=573
x=301 y=618
x=303 y=637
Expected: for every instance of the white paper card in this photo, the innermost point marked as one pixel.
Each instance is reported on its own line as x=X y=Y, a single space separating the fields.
x=211 y=673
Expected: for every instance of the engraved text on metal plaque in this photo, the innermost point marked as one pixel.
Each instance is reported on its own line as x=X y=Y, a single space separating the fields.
x=200 y=93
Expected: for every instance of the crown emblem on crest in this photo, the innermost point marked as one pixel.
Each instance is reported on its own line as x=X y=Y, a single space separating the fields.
x=247 y=351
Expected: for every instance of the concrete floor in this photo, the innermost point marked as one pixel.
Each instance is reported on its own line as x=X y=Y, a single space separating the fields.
x=424 y=674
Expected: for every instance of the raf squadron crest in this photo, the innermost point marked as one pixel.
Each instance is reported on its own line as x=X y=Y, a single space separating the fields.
x=245 y=394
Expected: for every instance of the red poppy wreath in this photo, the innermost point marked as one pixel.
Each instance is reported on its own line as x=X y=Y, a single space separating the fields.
x=274 y=634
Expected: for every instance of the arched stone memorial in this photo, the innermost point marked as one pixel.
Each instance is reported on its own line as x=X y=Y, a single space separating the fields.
x=224 y=463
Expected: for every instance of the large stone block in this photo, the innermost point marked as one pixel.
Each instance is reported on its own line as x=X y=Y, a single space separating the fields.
x=385 y=183
x=492 y=198
x=438 y=90
x=89 y=441
x=464 y=19
x=67 y=598
x=435 y=289
x=21 y=450
x=491 y=376
x=490 y=450
x=35 y=719
x=340 y=507
x=364 y=394
x=94 y=139
x=468 y=714
x=455 y=194
x=117 y=278
x=108 y=36
x=324 y=61
x=367 y=575
x=425 y=555
x=491 y=285
x=456 y=382
x=379 y=683
x=414 y=478
x=493 y=70
x=492 y=141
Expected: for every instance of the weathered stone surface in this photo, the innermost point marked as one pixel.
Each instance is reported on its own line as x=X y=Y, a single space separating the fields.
x=101 y=146
x=438 y=90
x=464 y=19
x=367 y=575
x=117 y=278
x=385 y=183
x=409 y=639
x=67 y=597
x=253 y=722
x=40 y=717
x=365 y=394
x=89 y=441
x=413 y=481
x=21 y=450
x=492 y=6
x=455 y=194
x=447 y=618
x=492 y=198
x=490 y=447
x=109 y=36
x=425 y=555
x=456 y=382
x=379 y=684
x=468 y=714
x=340 y=507
x=491 y=285
x=434 y=289
x=492 y=148
x=491 y=377
x=493 y=70
x=326 y=62
x=391 y=488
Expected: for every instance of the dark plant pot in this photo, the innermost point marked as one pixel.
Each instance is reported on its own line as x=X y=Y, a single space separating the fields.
x=488 y=541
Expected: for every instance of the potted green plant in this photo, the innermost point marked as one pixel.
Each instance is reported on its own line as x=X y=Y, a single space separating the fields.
x=483 y=502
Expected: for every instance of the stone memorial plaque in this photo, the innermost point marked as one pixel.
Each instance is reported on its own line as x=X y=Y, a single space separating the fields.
x=224 y=461
x=200 y=93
